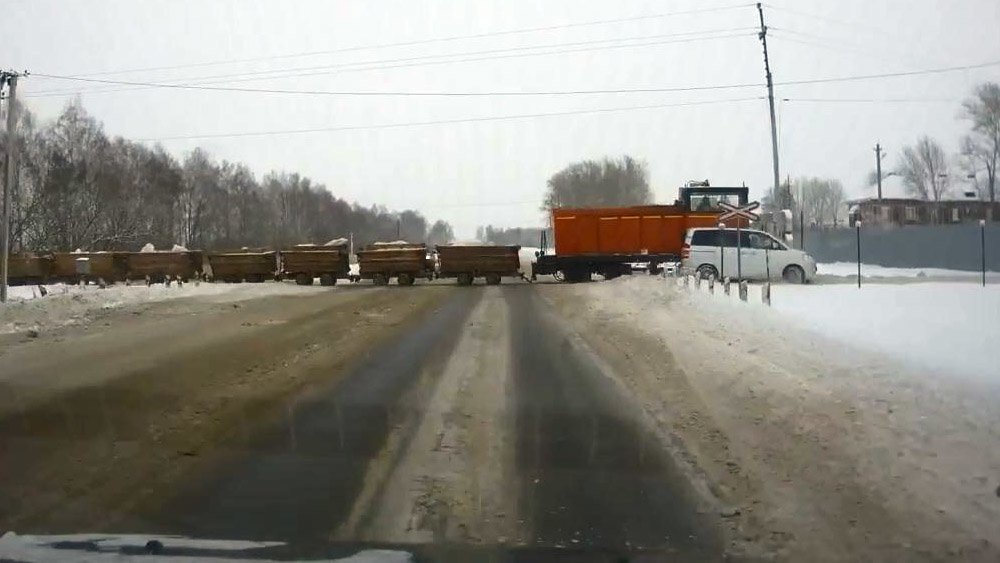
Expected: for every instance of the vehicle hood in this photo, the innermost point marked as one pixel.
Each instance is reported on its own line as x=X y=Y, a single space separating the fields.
x=100 y=548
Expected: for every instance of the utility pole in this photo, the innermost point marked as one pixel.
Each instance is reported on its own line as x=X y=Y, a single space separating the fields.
x=770 y=98
x=11 y=79
x=878 y=168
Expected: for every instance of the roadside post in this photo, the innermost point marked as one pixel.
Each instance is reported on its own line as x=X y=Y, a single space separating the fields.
x=711 y=285
x=857 y=229
x=744 y=289
x=765 y=292
x=722 y=250
x=737 y=212
x=725 y=285
x=982 y=247
x=739 y=252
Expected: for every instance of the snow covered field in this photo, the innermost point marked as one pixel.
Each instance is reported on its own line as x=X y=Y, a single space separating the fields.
x=850 y=269
x=71 y=304
x=951 y=329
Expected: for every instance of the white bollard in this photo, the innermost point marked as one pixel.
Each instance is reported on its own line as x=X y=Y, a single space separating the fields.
x=744 y=287
x=711 y=285
x=725 y=285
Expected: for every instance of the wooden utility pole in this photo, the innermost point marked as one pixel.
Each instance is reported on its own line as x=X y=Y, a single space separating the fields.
x=878 y=168
x=770 y=98
x=11 y=79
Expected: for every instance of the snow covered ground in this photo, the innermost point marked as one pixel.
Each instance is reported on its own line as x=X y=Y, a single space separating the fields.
x=861 y=420
x=850 y=269
x=951 y=329
x=72 y=304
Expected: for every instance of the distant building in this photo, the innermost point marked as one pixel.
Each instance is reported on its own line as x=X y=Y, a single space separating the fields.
x=890 y=212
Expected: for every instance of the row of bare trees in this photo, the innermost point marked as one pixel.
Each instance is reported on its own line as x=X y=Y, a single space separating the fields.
x=80 y=188
x=929 y=173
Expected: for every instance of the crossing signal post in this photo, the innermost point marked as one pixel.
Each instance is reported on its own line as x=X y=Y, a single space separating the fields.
x=744 y=212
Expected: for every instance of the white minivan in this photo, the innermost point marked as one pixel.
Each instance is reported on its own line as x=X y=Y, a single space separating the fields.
x=761 y=256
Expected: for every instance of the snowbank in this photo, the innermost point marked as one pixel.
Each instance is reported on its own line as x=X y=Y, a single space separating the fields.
x=850 y=269
x=951 y=329
x=833 y=400
x=74 y=304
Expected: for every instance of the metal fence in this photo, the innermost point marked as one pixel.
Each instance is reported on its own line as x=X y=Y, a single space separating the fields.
x=954 y=247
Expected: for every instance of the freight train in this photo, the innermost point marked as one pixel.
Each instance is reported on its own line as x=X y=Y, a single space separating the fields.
x=608 y=240
x=379 y=262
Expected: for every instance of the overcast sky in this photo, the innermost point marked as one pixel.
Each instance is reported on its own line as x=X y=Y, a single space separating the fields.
x=481 y=172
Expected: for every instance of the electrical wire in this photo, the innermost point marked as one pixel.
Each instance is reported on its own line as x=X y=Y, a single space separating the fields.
x=445 y=121
x=888 y=74
x=194 y=83
x=551 y=92
x=872 y=100
x=426 y=41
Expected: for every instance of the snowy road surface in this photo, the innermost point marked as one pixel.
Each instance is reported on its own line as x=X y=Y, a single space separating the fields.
x=540 y=421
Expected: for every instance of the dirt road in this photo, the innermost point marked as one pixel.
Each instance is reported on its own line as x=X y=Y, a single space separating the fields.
x=453 y=421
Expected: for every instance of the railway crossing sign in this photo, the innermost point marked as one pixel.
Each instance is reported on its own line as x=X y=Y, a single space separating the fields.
x=745 y=212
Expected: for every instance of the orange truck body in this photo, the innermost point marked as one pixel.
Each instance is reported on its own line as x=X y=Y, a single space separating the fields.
x=646 y=229
x=609 y=240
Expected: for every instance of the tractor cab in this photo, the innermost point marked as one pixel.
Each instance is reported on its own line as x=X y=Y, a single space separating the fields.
x=700 y=197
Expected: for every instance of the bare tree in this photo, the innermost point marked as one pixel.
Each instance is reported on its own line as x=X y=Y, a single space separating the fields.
x=80 y=189
x=982 y=146
x=924 y=169
x=593 y=183
x=440 y=233
x=822 y=199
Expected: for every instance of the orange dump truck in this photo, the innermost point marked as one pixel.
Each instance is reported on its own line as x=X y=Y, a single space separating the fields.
x=466 y=263
x=608 y=240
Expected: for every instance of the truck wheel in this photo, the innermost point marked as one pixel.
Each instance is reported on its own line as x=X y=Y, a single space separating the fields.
x=404 y=279
x=493 y=279
x=794 y=274
x=327 y=279
x=380 y=279
x=303 y=279
x=464 y=279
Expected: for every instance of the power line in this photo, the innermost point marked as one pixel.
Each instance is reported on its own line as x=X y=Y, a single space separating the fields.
x=431 y=93
x=425 y=41
x=533 y=93
x=871 y=100
x=443 y=121
x=841 y=46
x=853 y=25
x=940 y=70
x=412 y=61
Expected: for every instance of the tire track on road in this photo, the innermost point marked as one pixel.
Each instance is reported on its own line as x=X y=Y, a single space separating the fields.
x=451 y=483
x=592 y=476
x=300 y=476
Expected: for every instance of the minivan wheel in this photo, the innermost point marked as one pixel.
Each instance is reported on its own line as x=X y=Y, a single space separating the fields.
x=706 y=271
x=794 y=274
